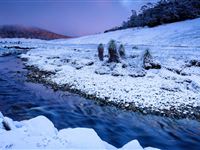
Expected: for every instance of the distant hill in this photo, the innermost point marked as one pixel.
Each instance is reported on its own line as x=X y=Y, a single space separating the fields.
x=16 y=31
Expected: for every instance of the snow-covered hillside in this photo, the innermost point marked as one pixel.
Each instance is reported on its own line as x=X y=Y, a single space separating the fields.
x=185 y=33
x=173 y=90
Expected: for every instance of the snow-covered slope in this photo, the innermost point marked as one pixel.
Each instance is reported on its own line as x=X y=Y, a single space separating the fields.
x=185 y=33
x=173 y=90
x=40 y=133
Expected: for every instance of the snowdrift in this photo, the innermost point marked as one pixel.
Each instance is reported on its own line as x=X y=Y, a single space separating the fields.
x=40 y=133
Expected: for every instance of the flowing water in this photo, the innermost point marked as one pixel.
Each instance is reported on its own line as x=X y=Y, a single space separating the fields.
x=21 y=100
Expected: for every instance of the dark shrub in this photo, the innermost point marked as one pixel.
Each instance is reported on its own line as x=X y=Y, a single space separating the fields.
x=122 y=51
x=100 y=52
x=195 y=63
x=112 y=50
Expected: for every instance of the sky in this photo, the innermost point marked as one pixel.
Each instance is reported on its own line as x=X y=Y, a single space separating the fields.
x=68 y=17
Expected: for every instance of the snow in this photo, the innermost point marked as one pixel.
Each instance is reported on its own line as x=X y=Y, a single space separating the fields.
x=174 y=34
x=76 y=66
x=40 y=133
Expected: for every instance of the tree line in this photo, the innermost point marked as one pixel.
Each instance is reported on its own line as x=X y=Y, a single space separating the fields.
x=163 y=12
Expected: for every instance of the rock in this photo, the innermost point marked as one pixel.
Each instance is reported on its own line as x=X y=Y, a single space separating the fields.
x=5 y=123
x=8 y=124
x=117 y=70
x=1 y=121
x=170 y=88
x=78 y=67
x=132 y=145
x=81 y=138
x=149 y=62
x=40 y=133
x=18 y=47
x=193 y=86
x=152 y=65
x=116 y=74
x=40 y=126
x=135 y=47
x=78 y=64
x=136 y=72
x=24 y=59
x=124 y=65
x=198 y=64
x=193 y=62
x=103 y=70
x=1 y=116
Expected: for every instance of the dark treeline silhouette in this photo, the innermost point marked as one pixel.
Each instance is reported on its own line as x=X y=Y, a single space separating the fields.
x=165 y=11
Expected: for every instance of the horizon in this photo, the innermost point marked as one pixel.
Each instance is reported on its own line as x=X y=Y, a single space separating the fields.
x=63 y=18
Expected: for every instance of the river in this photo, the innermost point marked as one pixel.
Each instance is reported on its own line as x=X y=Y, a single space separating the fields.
x=20 y=99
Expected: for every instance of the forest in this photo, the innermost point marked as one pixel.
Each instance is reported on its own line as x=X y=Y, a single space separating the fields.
x=163 y=12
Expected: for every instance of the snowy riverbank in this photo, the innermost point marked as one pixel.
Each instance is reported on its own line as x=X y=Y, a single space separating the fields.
x=40 y=133
x=173 y=90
